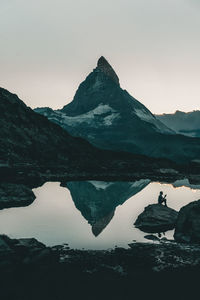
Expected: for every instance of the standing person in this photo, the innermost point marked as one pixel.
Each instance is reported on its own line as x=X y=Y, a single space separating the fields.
x=162 y=199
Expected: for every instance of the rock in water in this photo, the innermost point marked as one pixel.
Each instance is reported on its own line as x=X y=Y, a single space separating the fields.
x=15 y=195
x=152 y=237
x=188 y=223
x=156 y=218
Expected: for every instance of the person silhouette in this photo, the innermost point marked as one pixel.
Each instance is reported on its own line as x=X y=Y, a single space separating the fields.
x=162 y=199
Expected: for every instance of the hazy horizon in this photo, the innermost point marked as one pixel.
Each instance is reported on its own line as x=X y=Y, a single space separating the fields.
x=48 y=48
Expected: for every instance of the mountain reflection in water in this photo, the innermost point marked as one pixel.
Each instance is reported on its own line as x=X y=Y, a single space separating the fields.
x=65 y=214
x=97 y=200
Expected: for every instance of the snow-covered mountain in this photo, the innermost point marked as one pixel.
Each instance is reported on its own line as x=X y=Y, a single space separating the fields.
x=110 y=118
x=31 y=143
x=182 y=122
x=100 y=102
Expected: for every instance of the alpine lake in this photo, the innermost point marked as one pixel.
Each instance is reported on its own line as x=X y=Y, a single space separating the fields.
x=92 y=214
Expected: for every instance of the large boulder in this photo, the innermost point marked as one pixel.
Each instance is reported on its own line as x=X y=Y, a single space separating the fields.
x=156 y=218
x=188 y=223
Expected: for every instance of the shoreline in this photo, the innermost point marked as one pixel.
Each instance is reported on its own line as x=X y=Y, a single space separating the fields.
x=144 y=270
x=159 y=256
x=34 y=176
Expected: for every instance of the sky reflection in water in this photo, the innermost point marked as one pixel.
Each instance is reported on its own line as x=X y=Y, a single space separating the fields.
x=54 y=219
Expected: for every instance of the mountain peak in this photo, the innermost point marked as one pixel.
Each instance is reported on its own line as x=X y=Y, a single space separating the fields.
x=106 y=68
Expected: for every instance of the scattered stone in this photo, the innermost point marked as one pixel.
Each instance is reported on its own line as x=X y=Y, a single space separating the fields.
x=188 y=224
x=164 y=256
x=140 y=257
x=30 y=243
x=156 y=218
x=151 y=237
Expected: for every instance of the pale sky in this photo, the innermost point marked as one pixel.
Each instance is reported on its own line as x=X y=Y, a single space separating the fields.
x=48 y=47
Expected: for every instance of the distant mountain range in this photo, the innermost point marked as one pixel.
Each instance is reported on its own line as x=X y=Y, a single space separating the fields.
x=182 y=122
x=110 y=118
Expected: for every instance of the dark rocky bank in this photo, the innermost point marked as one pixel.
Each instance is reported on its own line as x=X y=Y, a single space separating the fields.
x=29 y=270
x=15 y=195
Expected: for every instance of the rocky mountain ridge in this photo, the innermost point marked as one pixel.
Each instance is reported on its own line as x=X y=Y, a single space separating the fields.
x=110 y=118
x=29 y=141
x=186 y=123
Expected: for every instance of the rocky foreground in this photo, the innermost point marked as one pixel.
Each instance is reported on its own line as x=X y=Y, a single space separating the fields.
x=160 y=269
x=164 y=255
x=30 y=270
x=146 y=257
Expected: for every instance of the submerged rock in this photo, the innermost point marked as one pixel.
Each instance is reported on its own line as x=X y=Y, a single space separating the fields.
x=151 y=237
x=14 y=195
x=188 y=223
x=156 y=218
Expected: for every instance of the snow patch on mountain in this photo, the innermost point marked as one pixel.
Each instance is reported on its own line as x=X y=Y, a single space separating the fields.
x=101 y=109
x=108 y=120
x=148 y=117
x=100 y=185
x=93 y=116
x=140 y=182
x=98 y=83
x=144 y=115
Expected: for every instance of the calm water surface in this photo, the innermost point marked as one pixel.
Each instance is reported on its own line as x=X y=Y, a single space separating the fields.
x=92 y=214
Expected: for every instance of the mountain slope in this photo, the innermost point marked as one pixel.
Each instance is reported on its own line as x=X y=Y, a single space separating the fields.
x=31 y=140
x=26 y=136
x=182 y=122
x=107 y=116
